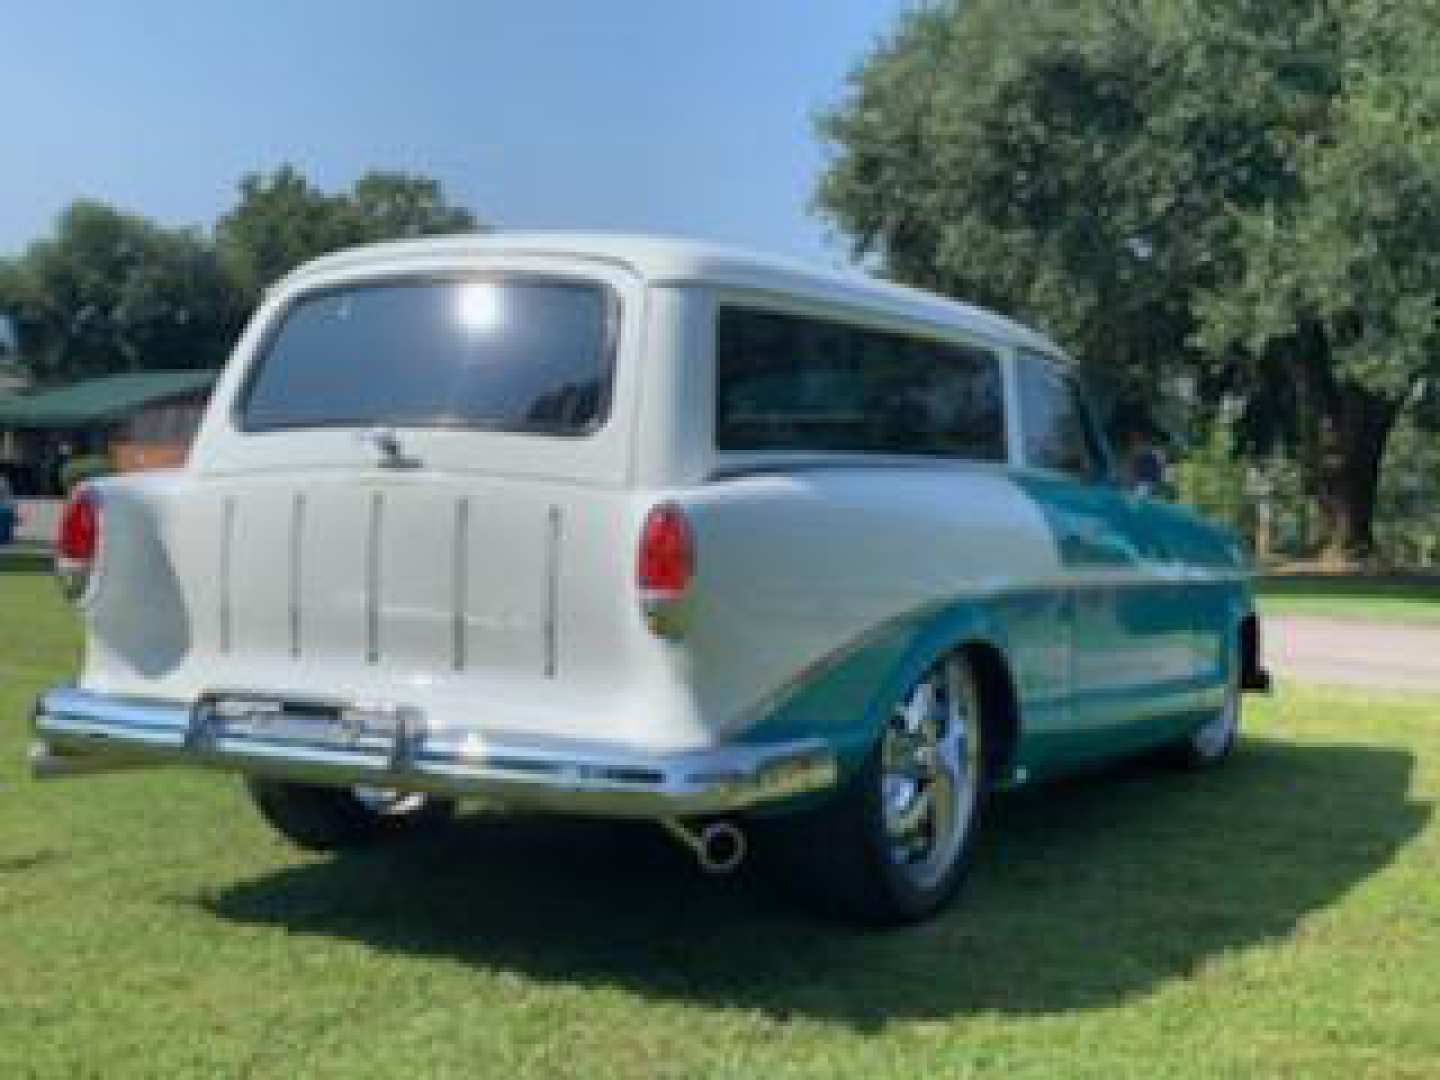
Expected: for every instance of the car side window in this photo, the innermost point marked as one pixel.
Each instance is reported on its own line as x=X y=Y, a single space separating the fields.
x=1055 y=425
x=792 y=383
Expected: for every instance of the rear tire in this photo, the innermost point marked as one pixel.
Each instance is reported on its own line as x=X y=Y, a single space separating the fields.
x=895 y=843
x=334 y=819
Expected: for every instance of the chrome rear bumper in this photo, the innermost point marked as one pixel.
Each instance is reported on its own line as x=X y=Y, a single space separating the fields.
x=78 y=732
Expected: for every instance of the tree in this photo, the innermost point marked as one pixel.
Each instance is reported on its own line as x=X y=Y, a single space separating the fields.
x=1409 y=533
x=1242 y=191
x=282 y=220
x=112 y=292
x=398 y=206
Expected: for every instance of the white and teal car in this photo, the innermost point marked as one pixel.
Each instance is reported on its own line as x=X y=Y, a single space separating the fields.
x=641 y=528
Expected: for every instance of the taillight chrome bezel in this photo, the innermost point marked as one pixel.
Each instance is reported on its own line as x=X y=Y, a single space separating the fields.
x=77 y=574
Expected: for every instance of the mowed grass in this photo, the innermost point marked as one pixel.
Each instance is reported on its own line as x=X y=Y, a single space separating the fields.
x=1399 y=598
x=1278 y=917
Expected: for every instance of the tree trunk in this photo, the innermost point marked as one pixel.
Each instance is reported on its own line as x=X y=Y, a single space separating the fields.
x=1352 y=430
x=1343 y=430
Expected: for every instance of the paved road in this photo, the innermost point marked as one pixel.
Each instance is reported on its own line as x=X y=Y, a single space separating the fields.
x=1338 y=652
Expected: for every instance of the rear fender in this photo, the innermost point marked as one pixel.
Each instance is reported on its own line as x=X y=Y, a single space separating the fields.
x=847 y=698
x=945 y=631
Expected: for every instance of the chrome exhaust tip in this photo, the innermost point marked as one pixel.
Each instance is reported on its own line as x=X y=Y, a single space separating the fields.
x=719 y=847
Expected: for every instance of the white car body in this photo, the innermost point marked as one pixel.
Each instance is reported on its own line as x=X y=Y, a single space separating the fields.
x=481 y=585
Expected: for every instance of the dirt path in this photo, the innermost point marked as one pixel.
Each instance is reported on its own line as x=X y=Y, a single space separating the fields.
x=1340 y=652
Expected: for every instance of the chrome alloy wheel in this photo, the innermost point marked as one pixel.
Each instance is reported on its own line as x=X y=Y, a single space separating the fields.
x=1212 y=739
x=930 y=771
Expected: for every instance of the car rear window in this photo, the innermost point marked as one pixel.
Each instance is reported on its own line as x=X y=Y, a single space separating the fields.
x=788 y=383
x=512 y=355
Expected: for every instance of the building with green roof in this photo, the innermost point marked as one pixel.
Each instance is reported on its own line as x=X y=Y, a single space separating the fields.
x=138 y=420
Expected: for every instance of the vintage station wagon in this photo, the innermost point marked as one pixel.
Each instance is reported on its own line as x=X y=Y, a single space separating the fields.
x=651 y=529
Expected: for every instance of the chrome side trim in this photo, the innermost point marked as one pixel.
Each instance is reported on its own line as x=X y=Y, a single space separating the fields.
x=372 y=578
x=460 y=584
x=552 y=589
x=227 y=543
x=297 y=543
x=79 y=731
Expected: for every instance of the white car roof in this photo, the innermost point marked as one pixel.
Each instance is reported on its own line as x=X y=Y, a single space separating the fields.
x=663 y=260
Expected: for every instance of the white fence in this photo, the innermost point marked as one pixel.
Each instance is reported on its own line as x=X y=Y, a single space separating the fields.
x=38 y=520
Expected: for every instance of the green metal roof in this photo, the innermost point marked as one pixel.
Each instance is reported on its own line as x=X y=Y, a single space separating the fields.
x=99 y=401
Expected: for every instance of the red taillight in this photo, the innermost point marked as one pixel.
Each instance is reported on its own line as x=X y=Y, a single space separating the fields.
x=667 y=556
x=79 y=528
x=78 y=543
x=664 y=567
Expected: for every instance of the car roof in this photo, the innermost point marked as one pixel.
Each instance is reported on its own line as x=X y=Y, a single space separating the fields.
x=665 y=260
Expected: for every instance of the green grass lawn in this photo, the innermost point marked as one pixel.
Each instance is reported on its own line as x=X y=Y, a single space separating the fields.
x=1388 y=599
x=1278 y=917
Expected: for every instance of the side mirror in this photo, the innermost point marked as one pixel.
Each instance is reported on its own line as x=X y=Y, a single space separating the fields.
x=1155 y=490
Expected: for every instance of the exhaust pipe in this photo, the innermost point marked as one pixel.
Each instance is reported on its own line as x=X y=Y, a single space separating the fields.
x=719 y=847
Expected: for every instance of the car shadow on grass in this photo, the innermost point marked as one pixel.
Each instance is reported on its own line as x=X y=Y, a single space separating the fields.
x=1082 y=895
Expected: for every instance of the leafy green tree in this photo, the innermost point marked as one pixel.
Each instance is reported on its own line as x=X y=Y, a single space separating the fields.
x=1408 y=517
x=1211 y=479
x=1244 y=191
x=282 y=220
x=397 y=206
x=112 y=292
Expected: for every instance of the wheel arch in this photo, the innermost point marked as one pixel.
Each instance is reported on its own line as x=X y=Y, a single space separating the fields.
x=999 y=707
x=970 y=633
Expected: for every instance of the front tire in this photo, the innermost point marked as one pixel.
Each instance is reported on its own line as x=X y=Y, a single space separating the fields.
x=1211 y=744
x=894 y=845
x=335 y=819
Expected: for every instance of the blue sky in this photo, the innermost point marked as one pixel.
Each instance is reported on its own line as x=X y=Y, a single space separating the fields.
x=689 y=117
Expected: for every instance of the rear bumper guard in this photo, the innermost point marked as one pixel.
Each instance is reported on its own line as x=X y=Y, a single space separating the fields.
x=80 y=732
